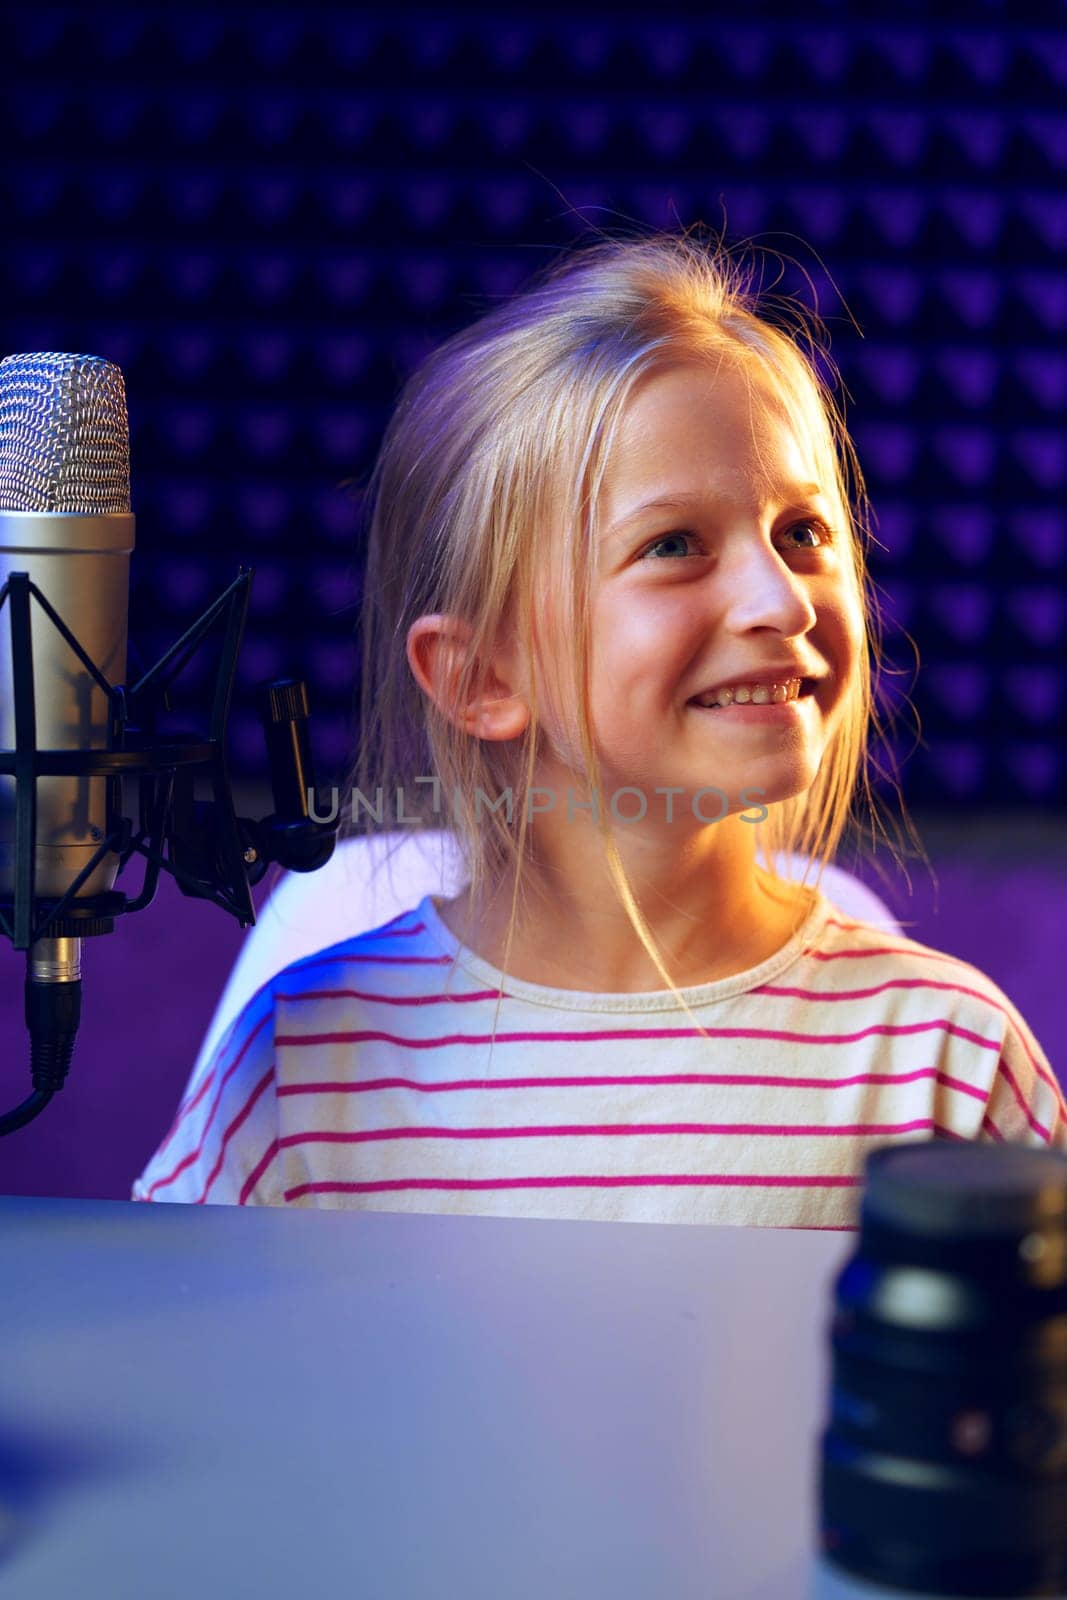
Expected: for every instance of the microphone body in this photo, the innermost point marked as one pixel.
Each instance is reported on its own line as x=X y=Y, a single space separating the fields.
x=80 y=561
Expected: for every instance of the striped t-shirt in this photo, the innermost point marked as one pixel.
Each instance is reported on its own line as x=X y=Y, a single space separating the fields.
x=359 y=1078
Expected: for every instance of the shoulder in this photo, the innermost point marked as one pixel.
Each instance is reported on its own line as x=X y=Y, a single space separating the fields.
x=852 y=951
x=393 y=954
x=924 y=988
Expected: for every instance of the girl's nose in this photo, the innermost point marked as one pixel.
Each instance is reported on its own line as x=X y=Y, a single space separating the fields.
x=760 y=590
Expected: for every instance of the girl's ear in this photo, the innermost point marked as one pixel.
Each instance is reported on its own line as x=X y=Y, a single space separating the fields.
x=436 y=650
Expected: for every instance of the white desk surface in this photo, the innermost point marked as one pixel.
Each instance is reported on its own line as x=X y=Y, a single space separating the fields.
x=216 y=1401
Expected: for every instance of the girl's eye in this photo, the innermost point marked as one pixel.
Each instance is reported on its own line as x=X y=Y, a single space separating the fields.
x=825 y=535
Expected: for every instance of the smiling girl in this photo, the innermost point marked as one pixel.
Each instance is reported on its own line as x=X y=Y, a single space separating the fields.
x=616 y=603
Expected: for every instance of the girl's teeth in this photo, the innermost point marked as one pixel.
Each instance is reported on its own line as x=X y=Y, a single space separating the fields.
x=758 y=695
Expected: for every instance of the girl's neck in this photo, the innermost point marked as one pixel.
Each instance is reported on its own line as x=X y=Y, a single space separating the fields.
x=606 y=957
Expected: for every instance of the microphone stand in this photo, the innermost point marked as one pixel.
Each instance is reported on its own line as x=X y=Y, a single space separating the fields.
x=211 y=853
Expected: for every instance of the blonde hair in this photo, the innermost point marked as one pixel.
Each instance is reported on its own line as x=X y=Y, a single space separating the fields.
x=505 y=425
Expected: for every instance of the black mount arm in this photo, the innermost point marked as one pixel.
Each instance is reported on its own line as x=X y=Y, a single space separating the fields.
x=210 y=852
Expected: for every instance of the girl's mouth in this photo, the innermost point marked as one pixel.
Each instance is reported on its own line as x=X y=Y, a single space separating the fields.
x=749 y=709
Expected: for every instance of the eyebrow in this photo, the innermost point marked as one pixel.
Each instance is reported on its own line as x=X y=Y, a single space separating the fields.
x=679 y=502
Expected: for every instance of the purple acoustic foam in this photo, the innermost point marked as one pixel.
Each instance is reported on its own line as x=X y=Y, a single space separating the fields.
x=334 y=748
x=1047 y=215
x=265 y=434
x=1035 y=693
x=430 y=122
x=196 y=37
x=336 y=512
x=1042 y=533
x=193 y=118
x=666 y=47
x=37 y=194
x=958 y=765
x=346 y=277
x=898 y=217
x=189 y=429
x=432 y=43
x=262 y=510
x=897 y=601
x=118 y=342
x=891 y=371
x=1049 y=133
x=974 y=295
x=272 y=38
x=510 y=41
x=664 y=129
x=744 y=51
x=587 y=46
x=1034 y=767
x=428 y=202
x=908 y=50
x=188 y=506
x=349 y=120
x=508 y=126
x=342 y=356
x=895 y=529
x=968 y=453
x=503 y=203
x=966 y=531
x=115 y=113
x=826 y=53
x=332 y=663
x=1046 y=295
x=964 y=609
x=982 y=52
x=894 y=290
x=333 y=589
x=348 y=36
x=823 y=211
x=191 y=274
x=115 y=195
x=1040 y=450
x=978 y=217
x=341 y=435
x=979 y=134
x=185 y=583
x=820 y=130
x=194 y=197
x=498 y=279
x=38 y=34
x=970 y=374
x=902 y=134
x=245 y=742
x=268 y=277
x=1038 y=614
x=267 y=357
x=269 y=586
x=115 y=272
x=425 y=281
x=272 y=197
x=963 y=688
x=890 y=448
x=188 y=354
x=1044 y=375
x=39 y=266
x=745 y=129
x=260 y=660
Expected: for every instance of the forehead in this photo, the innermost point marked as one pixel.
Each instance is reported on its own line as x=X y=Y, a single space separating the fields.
x=716 y=426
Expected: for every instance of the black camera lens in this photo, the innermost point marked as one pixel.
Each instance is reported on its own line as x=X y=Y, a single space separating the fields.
x=943 y=1468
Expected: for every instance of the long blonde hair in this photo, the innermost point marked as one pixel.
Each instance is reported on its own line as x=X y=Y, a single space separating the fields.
x=502 y=426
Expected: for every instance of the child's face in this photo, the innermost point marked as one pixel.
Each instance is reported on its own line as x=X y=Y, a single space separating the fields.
x=735 y=579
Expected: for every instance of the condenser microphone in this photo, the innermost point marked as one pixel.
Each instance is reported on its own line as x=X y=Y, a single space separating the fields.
x=72 y=731
x=65 y=519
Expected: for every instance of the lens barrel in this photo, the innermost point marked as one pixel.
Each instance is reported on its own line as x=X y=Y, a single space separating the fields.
x=943 y=1468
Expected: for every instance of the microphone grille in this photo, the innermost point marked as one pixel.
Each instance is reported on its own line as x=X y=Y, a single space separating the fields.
x=64 y=435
